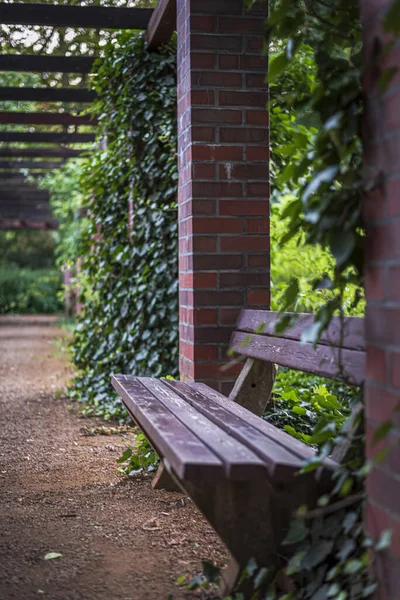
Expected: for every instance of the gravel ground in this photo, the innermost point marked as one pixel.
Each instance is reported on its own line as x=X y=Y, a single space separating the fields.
x=59 y=492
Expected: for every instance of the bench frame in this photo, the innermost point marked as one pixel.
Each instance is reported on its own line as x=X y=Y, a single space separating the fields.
x=252 y=517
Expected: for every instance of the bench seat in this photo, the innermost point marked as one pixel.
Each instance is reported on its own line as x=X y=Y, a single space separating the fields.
x=204 y=436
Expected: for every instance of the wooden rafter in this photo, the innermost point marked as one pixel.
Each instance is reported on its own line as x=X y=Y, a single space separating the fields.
x=20 y=94
x=13 y=224
x=162 y=24
x=47 y=138
x=29 y=164
x=40 y=152
x=96 y=17
x=49 y=118
x=46 y=64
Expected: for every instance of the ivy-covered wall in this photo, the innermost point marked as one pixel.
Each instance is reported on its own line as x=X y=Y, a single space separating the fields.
x=129 y=253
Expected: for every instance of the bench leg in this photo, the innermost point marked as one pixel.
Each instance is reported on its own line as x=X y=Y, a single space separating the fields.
x=252 y=519
x=163 y=480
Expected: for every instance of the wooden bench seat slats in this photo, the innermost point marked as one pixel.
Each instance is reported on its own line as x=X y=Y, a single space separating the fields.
x=352 y=337
x=281 y=438
x=282 y=462
x=240 y=462
x=323 y=360
x=191 y=457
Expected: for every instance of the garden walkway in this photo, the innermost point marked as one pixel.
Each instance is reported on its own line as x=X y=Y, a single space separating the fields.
x=59 y=492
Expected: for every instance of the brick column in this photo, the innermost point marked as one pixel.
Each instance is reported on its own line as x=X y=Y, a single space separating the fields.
x=382 y=214
x=223 y=179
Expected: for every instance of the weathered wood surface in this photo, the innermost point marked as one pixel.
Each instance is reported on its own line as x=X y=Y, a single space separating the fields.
x=254 y=385
x=93 y=17
x=162 y=24
x=240 y=462
x=282 y=461
x=352 y=336
x=20 y=94
x=36 y=63
x=190 y=457
x=47 y=118
x=325 y=361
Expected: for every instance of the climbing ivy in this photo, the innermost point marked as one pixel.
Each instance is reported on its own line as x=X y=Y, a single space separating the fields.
x=129 y=322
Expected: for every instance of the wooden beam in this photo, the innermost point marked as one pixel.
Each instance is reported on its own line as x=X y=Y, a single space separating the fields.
x=50 y=118
x=16 y=224
x=29 y=164
x=12 y=175
x=47 y=138
x=46 y=63
x=93 y=17
x=38 y=152
x=162 y=24
x=21 y=94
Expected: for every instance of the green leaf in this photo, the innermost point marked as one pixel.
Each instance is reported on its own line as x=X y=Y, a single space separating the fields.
x=277 y=65
x=342 y=246
x=211 y=573
x=298 y=531
x=391 y=21
x=52 y=555
x=385 y=540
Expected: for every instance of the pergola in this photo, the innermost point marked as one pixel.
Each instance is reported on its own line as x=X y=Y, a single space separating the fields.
x=23 y=205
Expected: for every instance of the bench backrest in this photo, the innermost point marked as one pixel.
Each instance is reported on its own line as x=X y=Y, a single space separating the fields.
x=339 y=354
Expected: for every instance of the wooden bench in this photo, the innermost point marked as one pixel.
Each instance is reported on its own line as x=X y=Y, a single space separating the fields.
x=239 y=470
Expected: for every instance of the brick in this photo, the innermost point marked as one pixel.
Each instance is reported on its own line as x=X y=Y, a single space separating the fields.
x=259 y=298
x=228 y=316
x=257 y=117
x=217 y=189
x=376 y=364
x=258 y=225
x=246 y=172
x=384 y=489
x=381 y=405
x=395 y=369
x=394 y=282
x=217 y=225
x=215 y=42
x=217 y=153
x=205 y=23
x=239 y=25
x=244 y=99
x=392 y=198
x=207 y=115
x=240 y=207
x=218 y=79
x=203 y=134
x=229 y=61
x=206 y=97
x=204 y=244
x=242 y=135
x=245 y=244
x=258 y=261
x=202 y=60
x=244 y=280
x=203 y=171
x=383 y=325
x=375 y=283
x=258 y=154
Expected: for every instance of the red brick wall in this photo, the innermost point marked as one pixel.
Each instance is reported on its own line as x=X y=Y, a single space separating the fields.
x=223 y=179
x=382 y=212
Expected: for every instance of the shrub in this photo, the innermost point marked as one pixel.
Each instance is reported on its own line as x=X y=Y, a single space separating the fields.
x=29 y=291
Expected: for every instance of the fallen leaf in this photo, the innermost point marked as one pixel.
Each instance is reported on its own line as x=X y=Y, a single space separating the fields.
x=52 y=555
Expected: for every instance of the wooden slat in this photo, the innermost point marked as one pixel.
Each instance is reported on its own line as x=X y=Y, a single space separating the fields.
x=282 y=462
x=48 y=118
x=162 y=24
x=17 y=224
x=283 y=439
x=352 y=337
x=40 y=152
x=47 y=138
x=186 y=453
x=29 y=164
x=324 y=361
x=93 y=17
x=42 y=63
x=11 y=175
x=239 y=461
x=20 y=94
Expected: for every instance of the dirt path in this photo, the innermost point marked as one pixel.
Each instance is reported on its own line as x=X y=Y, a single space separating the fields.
x=59 y=492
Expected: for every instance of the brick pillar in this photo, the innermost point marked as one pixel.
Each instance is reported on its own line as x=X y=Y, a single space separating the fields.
x=223 y=179
x=382 y=214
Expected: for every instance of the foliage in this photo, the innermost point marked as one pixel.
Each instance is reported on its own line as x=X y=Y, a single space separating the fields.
x=130 y=320
x=66 y=203
x=27 y=249
x=139 y=459
x=304 y=405
x=29 y=291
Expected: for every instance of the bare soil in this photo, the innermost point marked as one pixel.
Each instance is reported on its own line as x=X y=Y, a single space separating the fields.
x=60 y=492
